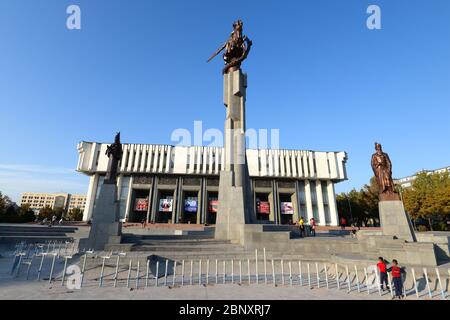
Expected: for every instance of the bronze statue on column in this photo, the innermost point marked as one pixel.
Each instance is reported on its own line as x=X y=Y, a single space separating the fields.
x=382 y=168
x=114 y=153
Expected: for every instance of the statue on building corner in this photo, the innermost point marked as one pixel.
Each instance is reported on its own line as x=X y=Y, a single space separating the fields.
x=114 y=153
x=382 y=168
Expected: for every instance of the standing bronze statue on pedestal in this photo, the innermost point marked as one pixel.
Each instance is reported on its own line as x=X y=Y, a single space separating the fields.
x=237 y=49
x=114 y=153
x=382 y=168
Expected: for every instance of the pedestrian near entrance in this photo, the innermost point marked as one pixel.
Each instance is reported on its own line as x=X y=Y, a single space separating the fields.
x=343 y=223
x=301 y=224
x=53 y=220
x=382 y=268
x=396 y=273
x=312 y=224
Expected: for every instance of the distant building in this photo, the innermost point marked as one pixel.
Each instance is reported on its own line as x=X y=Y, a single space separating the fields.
x=175 y=184
x=407 y=182
x=38 y=201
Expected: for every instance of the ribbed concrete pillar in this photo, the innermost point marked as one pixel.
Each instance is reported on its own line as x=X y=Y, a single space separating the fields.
x=308 y=198
x=332 y=203
x=320 y=206
x=90 y=198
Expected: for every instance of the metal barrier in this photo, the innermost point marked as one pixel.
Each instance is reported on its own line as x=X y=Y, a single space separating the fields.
x=48 y=257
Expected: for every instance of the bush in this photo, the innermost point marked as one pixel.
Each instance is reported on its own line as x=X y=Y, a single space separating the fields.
x=422 y=228
x=440 y=226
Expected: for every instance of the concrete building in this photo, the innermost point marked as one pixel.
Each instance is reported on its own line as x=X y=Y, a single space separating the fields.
x=175 y=184
x=407 y=182
x=38 y=201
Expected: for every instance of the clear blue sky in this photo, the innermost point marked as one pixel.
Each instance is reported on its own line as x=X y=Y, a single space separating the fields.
x=315 y=72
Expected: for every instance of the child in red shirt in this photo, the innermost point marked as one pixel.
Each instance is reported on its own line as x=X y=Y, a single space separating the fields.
x=396 y=273
x=382 y=268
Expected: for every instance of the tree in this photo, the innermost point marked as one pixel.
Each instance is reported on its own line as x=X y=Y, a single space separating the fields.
x=46 y=212
x=359 y=206
x=4 y=203
x=428 y=197
x=75 y=214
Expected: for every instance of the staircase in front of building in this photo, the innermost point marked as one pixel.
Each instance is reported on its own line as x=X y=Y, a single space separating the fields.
x=14 y=233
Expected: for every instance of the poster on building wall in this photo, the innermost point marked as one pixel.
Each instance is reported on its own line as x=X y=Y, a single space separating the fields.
x=263 y=207
x=165 y=205
x=190 y=205
x=287 y=208
x=141 y=204
x=213 y=205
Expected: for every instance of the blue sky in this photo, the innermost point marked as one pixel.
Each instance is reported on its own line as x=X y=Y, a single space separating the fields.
x=315 y=72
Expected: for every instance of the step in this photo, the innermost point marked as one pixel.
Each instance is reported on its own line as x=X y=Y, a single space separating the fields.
x=184 y=242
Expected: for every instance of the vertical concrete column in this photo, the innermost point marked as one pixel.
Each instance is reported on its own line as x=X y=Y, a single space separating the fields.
x=150 y=200
x=332 y=203
x=322 y=219
x=90 y=197
x=155 y=203
x=297 y=197
x=128 y=201
x=308 y=198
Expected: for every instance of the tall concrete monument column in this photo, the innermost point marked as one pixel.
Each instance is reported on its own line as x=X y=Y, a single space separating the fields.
x=235 y=204
x=235 y=207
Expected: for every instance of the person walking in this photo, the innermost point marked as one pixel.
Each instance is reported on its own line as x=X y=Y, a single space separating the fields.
x=382 y=268
x=343 y=223
x=396 y=273
x=53 y=220
x=301 y=224
x=312 y=224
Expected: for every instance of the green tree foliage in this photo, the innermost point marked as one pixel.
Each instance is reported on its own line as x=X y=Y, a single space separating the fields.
x=9 y=213
x=361 y=206
x=75 y=215
x=46 y=212
x=429 y=196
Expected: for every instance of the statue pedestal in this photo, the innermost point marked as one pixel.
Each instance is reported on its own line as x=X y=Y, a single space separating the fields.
x=106 y=227
x=395 y=221
x=235 y=202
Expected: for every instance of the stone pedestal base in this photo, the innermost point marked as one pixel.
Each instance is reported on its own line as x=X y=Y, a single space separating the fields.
x=233 y=211
x=106 y=226
x=395 y=221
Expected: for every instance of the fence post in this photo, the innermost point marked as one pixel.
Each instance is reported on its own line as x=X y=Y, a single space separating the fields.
x=182 y=273
x=265 y=266
x=273 y=273
x=207 y=272
x=137 y=274
x=147 y=273
x=129 y=273
x=377 y=279
x=390 y=284
x=337 y=277
x=256 y=266
x=428 y=283
x=117 y=271
x=317 y=275
x=248 y=271
x=191 y=273
x=282 y=272
x=174 y=273
x=348 y=279
x=64 y=271
x=165 y=272
x=309 y=275
x=40 y=266
x=300 y=275
x=326 y=275
x=157 y=273
x=51 y=270
x=224 y=271
x=357 y=279
x=440 y=283
x=232 y=271
x=367 y=280
x=415 y=282
x=200 y=273
x=290 y=273
x=240 y=271
x=217 y=272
